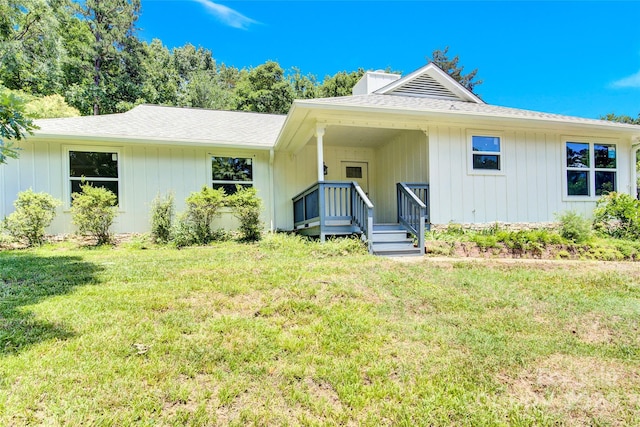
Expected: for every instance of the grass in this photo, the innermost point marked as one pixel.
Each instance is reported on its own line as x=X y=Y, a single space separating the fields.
x=287 y=332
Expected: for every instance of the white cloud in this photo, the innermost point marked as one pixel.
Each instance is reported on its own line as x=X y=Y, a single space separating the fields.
x=226 y=15
x=631 y=81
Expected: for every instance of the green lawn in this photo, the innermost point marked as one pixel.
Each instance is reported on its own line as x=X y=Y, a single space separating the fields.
x=291 y=333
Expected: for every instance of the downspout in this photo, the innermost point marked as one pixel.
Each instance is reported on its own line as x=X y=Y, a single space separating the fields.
x=634 y=173
x=272 y=190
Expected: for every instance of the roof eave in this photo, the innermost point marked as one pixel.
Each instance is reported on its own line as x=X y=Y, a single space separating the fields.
x=143 y=140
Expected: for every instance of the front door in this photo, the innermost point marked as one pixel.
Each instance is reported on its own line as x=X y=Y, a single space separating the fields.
x=358 y=172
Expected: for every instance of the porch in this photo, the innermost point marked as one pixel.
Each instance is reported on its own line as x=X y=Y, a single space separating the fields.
x=338 y=208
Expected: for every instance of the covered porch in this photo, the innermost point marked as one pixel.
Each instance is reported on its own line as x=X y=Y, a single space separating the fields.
x=369 y=180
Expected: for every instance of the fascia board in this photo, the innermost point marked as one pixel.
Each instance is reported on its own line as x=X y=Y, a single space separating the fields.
x=147 y=141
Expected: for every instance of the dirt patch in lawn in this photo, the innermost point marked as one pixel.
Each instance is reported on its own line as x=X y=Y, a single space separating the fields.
x=579 y=390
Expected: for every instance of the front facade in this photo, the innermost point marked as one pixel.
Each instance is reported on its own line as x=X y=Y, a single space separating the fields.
x=474 y=162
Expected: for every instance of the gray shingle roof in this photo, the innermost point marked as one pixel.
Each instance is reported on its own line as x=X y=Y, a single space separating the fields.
x=422 y=104
x=172 y=124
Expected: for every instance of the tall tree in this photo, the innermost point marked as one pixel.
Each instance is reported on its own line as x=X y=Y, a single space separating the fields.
x=304 y=86
x=111 y=23
x=264 y=89
x=452 y=67
x=14 y=124
x=31 y=52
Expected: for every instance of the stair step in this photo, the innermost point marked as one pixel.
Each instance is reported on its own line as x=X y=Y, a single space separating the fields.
x=399 y=236
x=387 y=227
x=395 y=248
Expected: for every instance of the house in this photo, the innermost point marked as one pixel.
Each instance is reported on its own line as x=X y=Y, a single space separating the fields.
x=408 y=151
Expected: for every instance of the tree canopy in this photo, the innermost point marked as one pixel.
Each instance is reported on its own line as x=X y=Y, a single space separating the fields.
x=14 y=124
x=68 y=56
x=452 y=67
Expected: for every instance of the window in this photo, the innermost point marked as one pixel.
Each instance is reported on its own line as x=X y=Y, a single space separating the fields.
x=98 y=168
x=227 y=172
x=486 y=153
x=354 y=172
x=590 y=168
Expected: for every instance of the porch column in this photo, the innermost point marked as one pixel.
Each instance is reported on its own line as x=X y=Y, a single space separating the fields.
x=319 y=136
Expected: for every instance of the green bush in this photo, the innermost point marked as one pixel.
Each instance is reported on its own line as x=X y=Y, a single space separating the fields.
x=618 y=215
x=246 y=207
x=162 y=218
x=93 y=211
x=34 y=213
x=194 y=226
x=574 y=227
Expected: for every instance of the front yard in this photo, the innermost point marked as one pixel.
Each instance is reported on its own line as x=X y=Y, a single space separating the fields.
x=286 y=332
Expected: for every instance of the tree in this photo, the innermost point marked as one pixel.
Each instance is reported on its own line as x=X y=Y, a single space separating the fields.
x=340 y=84
x=304 y=86
x=264 y=89
x=31 y=52
x=14 y=125
x=621 y=119
x=451 y=67
x=111 y=23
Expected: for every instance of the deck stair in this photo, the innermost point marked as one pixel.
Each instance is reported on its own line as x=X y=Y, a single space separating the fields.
x=393 y=240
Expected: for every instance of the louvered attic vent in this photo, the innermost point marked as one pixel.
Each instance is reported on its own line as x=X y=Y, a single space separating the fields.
x=425 y=86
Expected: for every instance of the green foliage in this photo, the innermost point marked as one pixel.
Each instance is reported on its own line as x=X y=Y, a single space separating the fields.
x=264 y=89
x=50 y=106
x=93 y=211
x=621 y=119
x=340 y=84
x=618 y=215
x=574 y=227
x=14 y=124
x=194 y=226
x=34 y=213
x=452 y=67
x=162 y=218
x=246 y=207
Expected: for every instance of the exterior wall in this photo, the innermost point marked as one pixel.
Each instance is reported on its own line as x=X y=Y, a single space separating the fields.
x=146 y=170
x=403 y=159
x=293 y=173
x=531 y=189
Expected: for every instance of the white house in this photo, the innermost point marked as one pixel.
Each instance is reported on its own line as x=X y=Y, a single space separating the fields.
x=409 y=150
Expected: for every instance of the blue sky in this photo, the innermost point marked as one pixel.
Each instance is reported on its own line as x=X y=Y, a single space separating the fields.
x=578 y=58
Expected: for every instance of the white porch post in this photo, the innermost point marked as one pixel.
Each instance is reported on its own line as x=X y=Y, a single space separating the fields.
x=319 y=135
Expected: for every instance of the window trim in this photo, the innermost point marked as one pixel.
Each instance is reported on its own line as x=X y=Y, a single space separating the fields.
x=66 y=185
x=501 y=154
x=591 y=170
x=234 y=155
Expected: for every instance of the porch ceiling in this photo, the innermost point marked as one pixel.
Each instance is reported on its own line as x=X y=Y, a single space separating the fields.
x=355 y=136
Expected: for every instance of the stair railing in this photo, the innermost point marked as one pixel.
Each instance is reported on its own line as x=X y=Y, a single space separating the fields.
x=362 y=213
x=412 y=212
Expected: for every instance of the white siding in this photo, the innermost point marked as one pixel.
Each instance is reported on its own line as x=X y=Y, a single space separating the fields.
x=531 y=188
x=403 y=159
x=147 y=170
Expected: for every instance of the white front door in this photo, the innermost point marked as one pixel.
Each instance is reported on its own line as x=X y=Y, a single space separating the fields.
x=358 y=172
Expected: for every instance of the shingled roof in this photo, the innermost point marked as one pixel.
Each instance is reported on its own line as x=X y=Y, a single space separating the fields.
x=399 y=104
x=171 y=124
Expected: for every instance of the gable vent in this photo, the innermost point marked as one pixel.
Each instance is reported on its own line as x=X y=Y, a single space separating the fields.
x=425 y=86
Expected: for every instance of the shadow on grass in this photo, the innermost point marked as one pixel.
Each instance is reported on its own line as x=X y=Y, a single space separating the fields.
x=27 y=279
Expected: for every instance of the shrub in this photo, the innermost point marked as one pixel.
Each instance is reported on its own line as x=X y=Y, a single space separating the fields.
x=162 y=218
x=246 y=207
x=93 y=211
x=574 y=227
x=618 y=215
x=194 y=226
x=34 y=213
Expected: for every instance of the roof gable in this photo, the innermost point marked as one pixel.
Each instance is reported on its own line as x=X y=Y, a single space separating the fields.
x=430 y=82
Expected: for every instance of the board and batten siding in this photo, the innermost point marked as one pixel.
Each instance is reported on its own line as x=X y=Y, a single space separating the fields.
x=146 y=170
x=531 y=187
x=405 y=158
